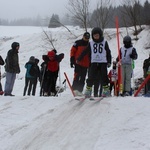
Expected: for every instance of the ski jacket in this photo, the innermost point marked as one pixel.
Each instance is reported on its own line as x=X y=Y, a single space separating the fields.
x=12 y=62
x=28 y=66
x=76 y=50
x=146 y=66
x=53 y=65
x=112 y=75
x=127 y=55
x=98 y=52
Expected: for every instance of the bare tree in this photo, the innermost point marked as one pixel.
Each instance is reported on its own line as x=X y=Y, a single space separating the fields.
x=132 y=10
x=80 y=11
x=101 y=15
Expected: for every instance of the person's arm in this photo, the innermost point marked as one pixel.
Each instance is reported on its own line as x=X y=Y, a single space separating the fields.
x=1 y=61
x=72 y=54
x=134 y=54
x=108 y=54
x=60 y=57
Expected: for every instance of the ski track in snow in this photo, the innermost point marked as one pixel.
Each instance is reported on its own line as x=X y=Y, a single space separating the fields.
x=57 y=131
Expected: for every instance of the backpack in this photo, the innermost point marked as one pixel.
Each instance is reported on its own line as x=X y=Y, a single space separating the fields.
x=32 y=70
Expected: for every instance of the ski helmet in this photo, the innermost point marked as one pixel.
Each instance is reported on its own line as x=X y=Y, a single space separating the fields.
x=127 y=41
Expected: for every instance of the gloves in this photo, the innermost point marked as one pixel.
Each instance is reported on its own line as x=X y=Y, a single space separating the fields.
x=108 y=65
x=72 y=62
x=132 y=56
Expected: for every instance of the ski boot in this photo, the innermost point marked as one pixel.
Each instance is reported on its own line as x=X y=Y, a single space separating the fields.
x=106 y=91
x=88 y=92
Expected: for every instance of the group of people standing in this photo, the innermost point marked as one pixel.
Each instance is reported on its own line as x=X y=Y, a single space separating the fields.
x=46 y=75
x=97 y=55
x=89 y=58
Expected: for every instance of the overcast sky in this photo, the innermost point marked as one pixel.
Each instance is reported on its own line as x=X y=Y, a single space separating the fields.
x=14 y=9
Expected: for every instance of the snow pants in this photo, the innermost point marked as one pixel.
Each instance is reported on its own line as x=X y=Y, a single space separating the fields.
x=9 y=84
x=126 y=77
x=97 y=75
x=79 y=78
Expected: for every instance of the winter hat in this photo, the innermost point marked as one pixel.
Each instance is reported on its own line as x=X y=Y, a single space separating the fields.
x=86 y=35
x=97 y=30
x=14 y=45
x=37 y=60
x=51 y=53
x=32 y=59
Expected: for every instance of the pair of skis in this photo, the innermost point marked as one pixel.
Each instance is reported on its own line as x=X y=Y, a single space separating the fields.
x=81 y=98
x=89 y=98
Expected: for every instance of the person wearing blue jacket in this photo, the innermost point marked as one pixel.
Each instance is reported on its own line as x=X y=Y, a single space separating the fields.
x=30 y=79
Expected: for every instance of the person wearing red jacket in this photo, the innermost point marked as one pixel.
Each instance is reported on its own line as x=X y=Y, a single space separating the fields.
x=80 y=69
x=52 y=72
x=113 y=78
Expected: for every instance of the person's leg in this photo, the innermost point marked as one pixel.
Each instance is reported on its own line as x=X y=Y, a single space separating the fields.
x=30 y=87
x=34 y=86
x=10 y=80
x=127 y=82
x=83 y=72
x=76 y=78
x=26 y=85
x=92 y=74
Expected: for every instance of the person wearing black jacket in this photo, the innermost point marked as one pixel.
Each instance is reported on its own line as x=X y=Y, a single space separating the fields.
x=146 y=72
x=100 y=59
x=12 y=68
x=1 y=63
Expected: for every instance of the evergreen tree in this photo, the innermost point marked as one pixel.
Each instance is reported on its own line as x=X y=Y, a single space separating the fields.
x=54 y=21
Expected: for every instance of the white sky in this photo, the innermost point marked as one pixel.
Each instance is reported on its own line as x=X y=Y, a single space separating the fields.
x=62 y=123
x=14 y=9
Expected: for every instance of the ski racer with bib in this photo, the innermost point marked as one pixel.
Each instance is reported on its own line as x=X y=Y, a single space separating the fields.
x=100 y=59
x=127 y=54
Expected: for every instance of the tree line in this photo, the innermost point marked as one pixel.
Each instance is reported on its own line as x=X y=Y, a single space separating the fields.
x=130 y=13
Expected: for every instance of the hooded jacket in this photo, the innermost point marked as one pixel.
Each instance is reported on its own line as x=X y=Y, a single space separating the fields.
x=12 y=60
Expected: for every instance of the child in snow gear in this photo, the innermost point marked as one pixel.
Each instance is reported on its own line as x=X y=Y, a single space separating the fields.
x=43 y=74
x=80 y=69
x=146 y=72
x=32 y=73
x=52 y=69
x=12 y=68
x=37 y=75
x=100 y=58
x=127 y=54
x=1 y=63
x=113 y=77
